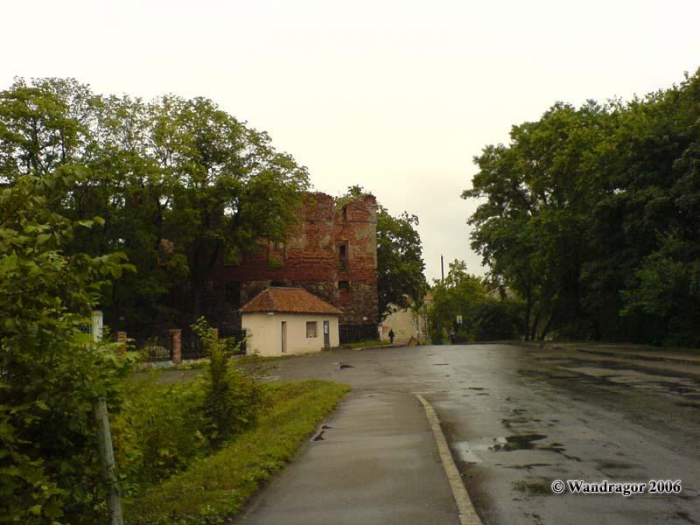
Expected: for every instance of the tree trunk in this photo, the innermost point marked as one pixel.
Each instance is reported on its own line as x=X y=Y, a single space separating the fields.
x=535 y=324
x=528 y=311
x=546 y=329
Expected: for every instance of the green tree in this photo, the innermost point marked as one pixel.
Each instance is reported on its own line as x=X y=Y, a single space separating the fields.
x=590 y=215
x=460 y=294
x=532 y=227
x=230 y=186
x=400 y=266
x=50 y=371
x=181 y=185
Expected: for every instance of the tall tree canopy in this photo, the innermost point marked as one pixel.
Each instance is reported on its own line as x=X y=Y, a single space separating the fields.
x=179 y=183
x=400 y=266
x=50 y=372
x=590 y=214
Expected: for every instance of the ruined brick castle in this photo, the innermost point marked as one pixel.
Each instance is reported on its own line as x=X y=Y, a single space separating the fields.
x=331 y=252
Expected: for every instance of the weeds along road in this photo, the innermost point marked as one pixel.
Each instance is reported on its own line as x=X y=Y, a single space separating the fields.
x=519 y=418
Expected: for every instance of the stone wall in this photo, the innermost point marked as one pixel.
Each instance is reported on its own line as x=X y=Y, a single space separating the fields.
x=331 y=252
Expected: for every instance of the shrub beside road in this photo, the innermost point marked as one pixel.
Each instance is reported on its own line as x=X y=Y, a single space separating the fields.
x=214 y=488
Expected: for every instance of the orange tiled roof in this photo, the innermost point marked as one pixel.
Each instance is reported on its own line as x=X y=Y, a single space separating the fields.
x=288 y=300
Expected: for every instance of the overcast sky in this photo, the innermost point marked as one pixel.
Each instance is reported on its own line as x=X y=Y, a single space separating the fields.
x=397 y=96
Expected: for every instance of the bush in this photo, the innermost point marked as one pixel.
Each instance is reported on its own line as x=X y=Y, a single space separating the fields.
x=159 y=431
x=498 y=320
x=216 y=488
x=231 y=398
x=50 y=371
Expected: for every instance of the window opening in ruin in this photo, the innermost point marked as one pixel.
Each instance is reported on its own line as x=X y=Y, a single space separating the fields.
x=344 y=286
x=343 y=256
x=232 y=292
x=311 y=329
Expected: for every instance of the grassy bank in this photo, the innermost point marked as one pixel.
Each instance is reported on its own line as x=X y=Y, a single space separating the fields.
x=366 y=344
x=215 y=488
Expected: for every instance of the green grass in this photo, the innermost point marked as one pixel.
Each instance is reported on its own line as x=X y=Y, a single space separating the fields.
x=214 y=489
x=365 y=344
x=259 y=359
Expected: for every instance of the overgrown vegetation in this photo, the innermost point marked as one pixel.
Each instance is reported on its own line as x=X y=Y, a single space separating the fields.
x=88 y=182
x=366 y=344
x=180 y=185
x=164 y=428
x=484 y=313
x=50 y=370
x=231 y=398
x=214 y=489
x=591 y=215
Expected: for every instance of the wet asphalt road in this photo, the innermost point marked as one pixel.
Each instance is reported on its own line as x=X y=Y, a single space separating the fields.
x=518 y=418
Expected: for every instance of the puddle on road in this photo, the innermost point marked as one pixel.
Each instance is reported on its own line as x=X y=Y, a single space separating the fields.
x=510 y=422
x=529 y=466
x=465 y=452
x=533 y=487
x=516 y=442
x=615 y=465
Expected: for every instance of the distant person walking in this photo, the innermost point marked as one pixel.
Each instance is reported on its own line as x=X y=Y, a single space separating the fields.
x=453 y=337
x=391 y=336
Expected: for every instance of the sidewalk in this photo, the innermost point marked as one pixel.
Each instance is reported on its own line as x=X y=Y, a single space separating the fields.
x=374 y=462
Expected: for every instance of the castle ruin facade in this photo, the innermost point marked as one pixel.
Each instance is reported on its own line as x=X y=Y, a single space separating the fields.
x=331 y=252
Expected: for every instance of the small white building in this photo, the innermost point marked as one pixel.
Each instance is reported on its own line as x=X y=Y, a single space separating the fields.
x=282 y=321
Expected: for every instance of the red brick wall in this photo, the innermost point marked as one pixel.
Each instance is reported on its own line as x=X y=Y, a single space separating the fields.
x=310 y=258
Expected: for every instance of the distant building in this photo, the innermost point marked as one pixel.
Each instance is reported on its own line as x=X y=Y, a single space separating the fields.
x=282 y=321
x=410 y=325
x=332 y=253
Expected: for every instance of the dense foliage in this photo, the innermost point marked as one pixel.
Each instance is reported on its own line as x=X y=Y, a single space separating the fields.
x=163 y=428
x=180 y=184
x=400 y=266
x=50 y=370
x=231 y=475
x=87 y=182
x=465 y=309
x=591 y=215
x=231 y=397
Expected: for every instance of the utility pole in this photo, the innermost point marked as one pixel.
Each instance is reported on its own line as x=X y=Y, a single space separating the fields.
x=442 y=267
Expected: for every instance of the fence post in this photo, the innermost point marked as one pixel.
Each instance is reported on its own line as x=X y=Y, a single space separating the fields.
x=104 y=439
x=96 y=325
x=176 y=345
x=121 y=339
x=214 y=333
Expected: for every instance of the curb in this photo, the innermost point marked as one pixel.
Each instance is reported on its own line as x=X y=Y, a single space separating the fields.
x=641 y=357
x=623 y=354
x=467 y=514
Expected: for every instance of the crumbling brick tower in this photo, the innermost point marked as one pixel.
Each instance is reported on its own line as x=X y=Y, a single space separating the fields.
x=332 y=252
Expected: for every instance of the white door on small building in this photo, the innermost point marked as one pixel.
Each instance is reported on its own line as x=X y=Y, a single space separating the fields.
x=284 y=337
x=326 y=335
